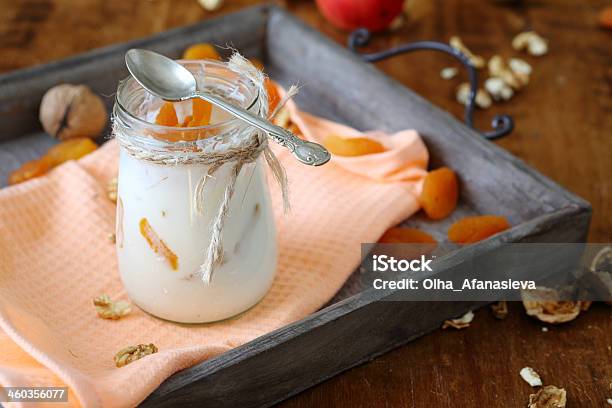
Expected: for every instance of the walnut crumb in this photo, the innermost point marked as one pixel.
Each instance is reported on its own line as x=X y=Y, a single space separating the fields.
x=107 y=309
x=133 y=353
x=548 y=397
x=111 y=189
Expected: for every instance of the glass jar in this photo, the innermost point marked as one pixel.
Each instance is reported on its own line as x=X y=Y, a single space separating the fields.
x=163 y=232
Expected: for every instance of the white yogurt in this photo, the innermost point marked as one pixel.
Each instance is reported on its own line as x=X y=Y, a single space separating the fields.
x=163 y=195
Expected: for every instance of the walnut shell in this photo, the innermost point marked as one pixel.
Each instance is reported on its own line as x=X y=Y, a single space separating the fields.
x=68 y=111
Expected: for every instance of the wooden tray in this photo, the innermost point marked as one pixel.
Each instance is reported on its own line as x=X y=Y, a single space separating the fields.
x=356 y=326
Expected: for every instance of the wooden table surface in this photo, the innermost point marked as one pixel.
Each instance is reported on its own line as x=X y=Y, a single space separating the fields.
x=563 y=128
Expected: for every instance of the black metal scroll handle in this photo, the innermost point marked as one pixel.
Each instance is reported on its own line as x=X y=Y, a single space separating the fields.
x=502 y=124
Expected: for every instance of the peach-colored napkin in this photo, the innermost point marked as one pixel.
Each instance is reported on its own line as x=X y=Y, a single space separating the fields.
x=55 y=256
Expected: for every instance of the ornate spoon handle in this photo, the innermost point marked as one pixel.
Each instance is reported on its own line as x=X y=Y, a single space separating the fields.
x=306 y=152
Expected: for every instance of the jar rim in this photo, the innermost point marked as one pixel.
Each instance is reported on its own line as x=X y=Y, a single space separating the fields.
x=229 y=122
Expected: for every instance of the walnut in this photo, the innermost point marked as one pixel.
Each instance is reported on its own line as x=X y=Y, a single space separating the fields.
x=133 y=353
x=532 y=42
x=520 y=66
x=107 y=309
x=460 y=323
x=498 y=89
x=476 y=60
x=543 y=304
x=68 y=111
x=498 y=68
x=548 y=397
x=483 y=100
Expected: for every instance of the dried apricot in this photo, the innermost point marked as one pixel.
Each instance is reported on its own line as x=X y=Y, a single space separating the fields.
x=403 y=235
x=473 y=229
x=440 y=193
x=186 y=121
x=257 y=63
x=273 y=95
x=72 y=149
x=166 y=115
x=201 y=51
x=29 y=170
x=157 y=244
x=201 y=112
x=605 y=18
x=354 y=146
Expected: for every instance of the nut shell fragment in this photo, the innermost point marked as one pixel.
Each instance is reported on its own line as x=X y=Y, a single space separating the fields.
x=460 y=323
x=531 y=376
x=548 y=397
x=448 y=73
x=132 y=353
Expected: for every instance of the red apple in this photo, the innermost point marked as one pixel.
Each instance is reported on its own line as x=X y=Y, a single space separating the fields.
x=375 y=15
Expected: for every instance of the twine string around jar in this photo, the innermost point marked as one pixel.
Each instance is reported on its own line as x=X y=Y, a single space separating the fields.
x=237 y=154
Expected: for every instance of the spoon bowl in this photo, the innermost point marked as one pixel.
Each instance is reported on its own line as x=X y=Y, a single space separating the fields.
x=162 y=77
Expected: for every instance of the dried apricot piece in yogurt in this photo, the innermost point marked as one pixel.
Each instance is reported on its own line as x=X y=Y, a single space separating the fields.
x=72 y=149
x=166 y=115
x=354 y=146
x=473 y=229
x=201 y=51
x=399 y=235
x=157 y=244
x=201 y=111
x=186 y=121
x=29 y=170
x=273 y=95
x=440 y=193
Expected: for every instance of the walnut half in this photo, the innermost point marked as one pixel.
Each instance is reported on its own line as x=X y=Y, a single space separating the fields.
x=107 y=309
x=133 y=353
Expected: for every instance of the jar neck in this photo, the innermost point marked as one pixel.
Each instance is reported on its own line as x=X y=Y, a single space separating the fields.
x=135 y=110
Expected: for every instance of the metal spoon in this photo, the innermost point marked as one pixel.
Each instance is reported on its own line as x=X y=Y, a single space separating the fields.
x=171 y=81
